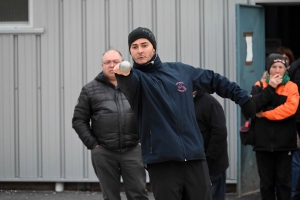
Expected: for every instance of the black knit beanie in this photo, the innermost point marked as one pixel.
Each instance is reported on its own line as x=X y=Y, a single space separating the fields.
x=274 y=58
x=141 y=32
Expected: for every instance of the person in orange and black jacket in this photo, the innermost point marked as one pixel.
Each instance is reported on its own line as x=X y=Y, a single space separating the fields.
x=275 y=129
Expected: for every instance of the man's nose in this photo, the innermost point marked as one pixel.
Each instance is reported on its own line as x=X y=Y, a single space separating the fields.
x=112 y=64
x=140 y=49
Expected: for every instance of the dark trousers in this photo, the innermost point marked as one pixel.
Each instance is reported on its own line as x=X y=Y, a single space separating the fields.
x=297 y=191
x=295 y=172
x=274 y=169
x=218 y=182
x=109 y=166
x=176 y=180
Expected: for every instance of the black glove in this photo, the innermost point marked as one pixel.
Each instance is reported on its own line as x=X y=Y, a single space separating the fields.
x=249 y=109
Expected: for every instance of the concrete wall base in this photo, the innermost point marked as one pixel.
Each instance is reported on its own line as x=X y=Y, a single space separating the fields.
x=70 y=186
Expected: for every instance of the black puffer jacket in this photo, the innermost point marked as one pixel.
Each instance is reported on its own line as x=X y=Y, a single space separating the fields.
x=113 y=124
x=212 y=124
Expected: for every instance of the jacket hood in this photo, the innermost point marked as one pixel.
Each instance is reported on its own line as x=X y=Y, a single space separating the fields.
x=100 y=77
x=153 y=64
x=103 y=79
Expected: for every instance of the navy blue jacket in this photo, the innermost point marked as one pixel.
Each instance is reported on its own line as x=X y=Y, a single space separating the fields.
x=160 y=95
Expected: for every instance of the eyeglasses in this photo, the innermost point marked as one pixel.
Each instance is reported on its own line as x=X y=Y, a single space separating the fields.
x=108 y=63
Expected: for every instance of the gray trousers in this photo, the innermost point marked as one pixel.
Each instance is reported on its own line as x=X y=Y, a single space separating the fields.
x=109 y=166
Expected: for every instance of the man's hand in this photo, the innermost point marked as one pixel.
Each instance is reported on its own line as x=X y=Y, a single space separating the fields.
x=249 y=109
x=118 y=71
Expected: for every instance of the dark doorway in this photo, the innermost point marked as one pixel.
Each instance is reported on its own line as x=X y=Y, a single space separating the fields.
x=282 y=27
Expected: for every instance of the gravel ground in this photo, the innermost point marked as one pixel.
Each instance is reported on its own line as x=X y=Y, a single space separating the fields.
x=78 y=195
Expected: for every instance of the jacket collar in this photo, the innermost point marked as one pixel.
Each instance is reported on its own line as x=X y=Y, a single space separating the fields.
x=103 y=79
x=153 y=64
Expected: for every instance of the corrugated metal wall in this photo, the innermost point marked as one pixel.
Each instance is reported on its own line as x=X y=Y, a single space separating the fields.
x=43 y=67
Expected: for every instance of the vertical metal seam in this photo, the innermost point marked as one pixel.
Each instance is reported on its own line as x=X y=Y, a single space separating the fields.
x=39 y=109
x=84 y=41
x=84 y=73
x=61 y=91
x=178 y=28
x=229 y=112
x=107 y=36
x=130 y=20
x=154 y=19
x=237 y=41
x=225 y=68
x=225 y=38
x=16 y=105
x=227 y=109
x=202 y=30
x=130 y=14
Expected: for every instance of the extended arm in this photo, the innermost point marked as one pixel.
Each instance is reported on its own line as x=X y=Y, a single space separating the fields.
x=212 y=82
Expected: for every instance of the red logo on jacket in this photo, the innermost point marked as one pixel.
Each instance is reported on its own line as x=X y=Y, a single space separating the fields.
x=181 y=87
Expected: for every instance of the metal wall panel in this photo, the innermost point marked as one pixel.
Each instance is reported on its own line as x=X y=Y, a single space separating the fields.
x=27 y=101
x=51 y=103
x=7 y=107
x=95 y=45
x=213 y=38
x=43 y=73
x=95 y=37
x=189 y=33
x=230 y=71
x=166 y=30
x=118 y=18
x=73 y=149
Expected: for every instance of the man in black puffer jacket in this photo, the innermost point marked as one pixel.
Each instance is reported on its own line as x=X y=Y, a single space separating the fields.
x=112 y=135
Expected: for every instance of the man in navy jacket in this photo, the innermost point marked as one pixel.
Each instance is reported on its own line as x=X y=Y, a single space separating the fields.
x=160 y=95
